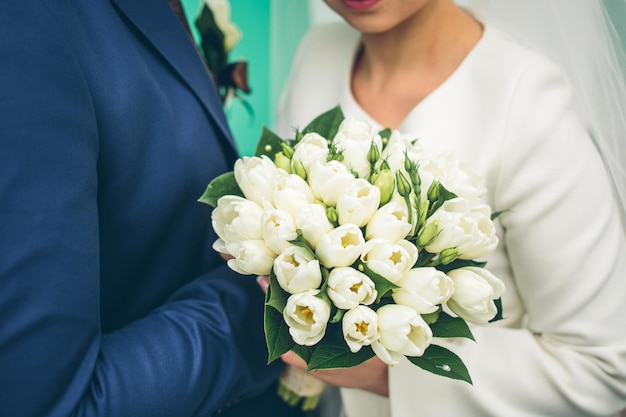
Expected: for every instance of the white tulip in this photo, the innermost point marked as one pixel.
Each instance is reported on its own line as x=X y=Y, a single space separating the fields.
x=354 y=139
x=389 y=260
x=307 y=317
x=278 y=229
x=341 y=246
x=468 y=229
x=312 y=221
x=251 y=257
x=329 y=181
x=292 y=193
x=297 y=270
x=423 y=289
x=358 y=203
x=256 y=178
x=455 y=175
x=236 y=218
x=311 y=149
x=390 y=222
x=360 y=327
x=354 y=128
x=399 y=145
x=474 y=294
x=401 y=332
x=347 y=288
x=220 y=246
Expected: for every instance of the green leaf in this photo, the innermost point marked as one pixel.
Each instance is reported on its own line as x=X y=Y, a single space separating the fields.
x=498 y=315
x=383 y=285
x=443 y=195
x=303 y=351
x=460 y=263
x=441 y=361
x=424 y=259
x=300 y=242
x=336 y=318
x=223 y=185
x=385 y=134
x=497 y=214
x=333 y=352
x=326 y=124
x=448 y=326
x=269 y=144
x=277 y=335
x=276 y=297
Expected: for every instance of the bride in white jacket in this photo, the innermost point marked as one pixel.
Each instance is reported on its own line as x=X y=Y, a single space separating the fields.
x=454 y=78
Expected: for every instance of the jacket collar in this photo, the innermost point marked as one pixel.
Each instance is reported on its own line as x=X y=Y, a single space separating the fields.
x=160 y=26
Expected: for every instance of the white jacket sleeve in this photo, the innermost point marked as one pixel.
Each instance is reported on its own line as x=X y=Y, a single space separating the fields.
x=564 y=249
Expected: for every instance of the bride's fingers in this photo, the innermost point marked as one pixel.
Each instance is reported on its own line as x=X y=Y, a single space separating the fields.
x=294 y=360
x=226 y=256
x=264 y=282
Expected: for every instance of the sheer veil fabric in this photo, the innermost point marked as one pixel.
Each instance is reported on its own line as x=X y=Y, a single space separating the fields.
x=578 y=35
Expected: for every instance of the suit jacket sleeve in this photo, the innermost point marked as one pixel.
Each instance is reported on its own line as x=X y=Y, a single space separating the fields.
x=200 y=349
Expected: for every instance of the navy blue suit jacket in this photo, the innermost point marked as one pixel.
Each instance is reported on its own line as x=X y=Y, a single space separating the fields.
x=112 y=302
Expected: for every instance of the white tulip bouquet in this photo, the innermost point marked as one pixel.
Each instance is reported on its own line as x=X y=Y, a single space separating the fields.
x=371 y=244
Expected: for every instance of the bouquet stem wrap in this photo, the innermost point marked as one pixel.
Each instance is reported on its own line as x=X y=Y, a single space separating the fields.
x=298 y=387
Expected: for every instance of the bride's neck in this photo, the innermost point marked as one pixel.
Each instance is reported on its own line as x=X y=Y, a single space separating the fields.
x=435 y=39
x=394 y=71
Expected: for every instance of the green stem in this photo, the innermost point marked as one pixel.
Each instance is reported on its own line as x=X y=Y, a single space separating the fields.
x=409 y=208
x=291 y=398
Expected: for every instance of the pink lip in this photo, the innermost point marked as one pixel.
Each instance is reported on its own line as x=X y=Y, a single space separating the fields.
x=360 y=4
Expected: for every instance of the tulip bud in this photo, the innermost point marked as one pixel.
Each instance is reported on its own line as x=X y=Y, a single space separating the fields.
x=287 y=150
x=433 y=191
x=373 y=155
x=281 y=161
x=332 y=215
x=448 y=255
x=409 y=165
x=404 y=187
x=335 y=154
x=298 y=168
x=385 y=182
x=416 y=180
x=428 y=233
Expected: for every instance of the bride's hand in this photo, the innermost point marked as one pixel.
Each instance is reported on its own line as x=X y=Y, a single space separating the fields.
x=371 y=375
x=226 y=256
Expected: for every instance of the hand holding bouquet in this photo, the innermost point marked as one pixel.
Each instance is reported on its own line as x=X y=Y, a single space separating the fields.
x=371 y=244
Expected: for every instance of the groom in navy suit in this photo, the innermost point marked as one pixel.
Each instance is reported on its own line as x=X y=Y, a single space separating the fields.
x=112 y=302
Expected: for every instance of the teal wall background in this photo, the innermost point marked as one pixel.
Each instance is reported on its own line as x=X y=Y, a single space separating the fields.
x=254 y=18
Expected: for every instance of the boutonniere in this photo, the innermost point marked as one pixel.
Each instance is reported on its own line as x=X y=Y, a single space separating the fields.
x=219 y=35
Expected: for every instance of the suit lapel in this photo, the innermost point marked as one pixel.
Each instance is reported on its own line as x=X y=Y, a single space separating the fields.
x=156 y=21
